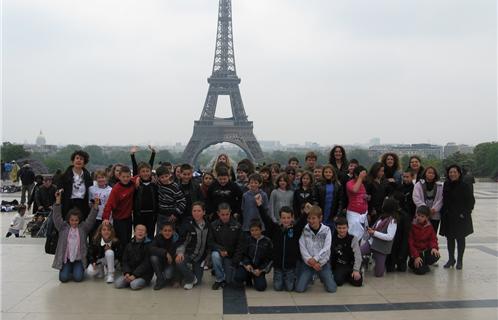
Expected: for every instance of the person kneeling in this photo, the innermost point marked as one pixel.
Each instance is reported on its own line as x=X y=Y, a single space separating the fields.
x=315 y=243
x=137 y=271
x=162 y=255
x=256 y=258
x=103 y=251
x=345 y=255
x=422 y=242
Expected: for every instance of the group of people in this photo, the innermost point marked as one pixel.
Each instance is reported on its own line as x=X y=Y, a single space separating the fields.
x=244 y=220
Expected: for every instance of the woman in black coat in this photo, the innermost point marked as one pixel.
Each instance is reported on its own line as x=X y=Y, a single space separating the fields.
x=456 y=219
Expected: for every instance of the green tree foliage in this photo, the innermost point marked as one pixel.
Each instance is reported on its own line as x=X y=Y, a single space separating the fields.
x=11 y=151
x=486 y=159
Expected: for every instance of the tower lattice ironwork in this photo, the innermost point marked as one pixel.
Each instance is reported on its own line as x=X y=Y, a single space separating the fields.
x=209 y=129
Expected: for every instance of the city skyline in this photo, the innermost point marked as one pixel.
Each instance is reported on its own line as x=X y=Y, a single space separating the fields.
x=327 y=72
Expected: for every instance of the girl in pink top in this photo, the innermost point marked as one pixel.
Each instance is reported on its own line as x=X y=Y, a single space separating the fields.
x=357 y=202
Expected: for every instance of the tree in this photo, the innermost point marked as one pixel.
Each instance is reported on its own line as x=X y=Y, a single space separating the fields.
x=486 y=159
x=11 y=151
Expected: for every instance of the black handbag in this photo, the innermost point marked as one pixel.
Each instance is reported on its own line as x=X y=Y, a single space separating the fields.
x=52 y=237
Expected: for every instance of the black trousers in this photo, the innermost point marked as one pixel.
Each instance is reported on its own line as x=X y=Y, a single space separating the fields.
x=427 y=260
x=451 y=248
x=123 y=229
x=342 y=274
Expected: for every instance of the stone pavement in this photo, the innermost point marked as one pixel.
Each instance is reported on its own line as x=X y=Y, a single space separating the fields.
x=30 y=288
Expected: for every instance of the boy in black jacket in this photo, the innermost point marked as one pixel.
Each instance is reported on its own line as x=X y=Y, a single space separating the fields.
x=285 y=238
x=192 y=252
x=145 y=200
x=225 y=242
x=190 y=190
x=45 y=196
x=257 y=256
x=345 y=255
x=162 y=255
x=224 y=190
x=137 y=271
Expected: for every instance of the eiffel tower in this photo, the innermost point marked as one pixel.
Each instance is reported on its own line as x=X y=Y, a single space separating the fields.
x=210 y=130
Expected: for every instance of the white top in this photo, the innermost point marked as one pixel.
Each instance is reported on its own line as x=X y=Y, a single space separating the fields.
x=79 y=188
x=389 y=236
x=316 y=246
x=102 y=194
x=17 y=222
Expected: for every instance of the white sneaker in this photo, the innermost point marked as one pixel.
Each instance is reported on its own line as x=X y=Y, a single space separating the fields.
x=109 y=278
x=189 y=286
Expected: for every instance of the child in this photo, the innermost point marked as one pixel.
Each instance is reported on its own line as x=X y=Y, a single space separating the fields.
x=189 y=189
x=357 y=209
x=267 y=186
x=328 y=195
x=102 y=191
x=304 y=194
x=406 y=190
x=345 y=257
x=135 y=166
x=249 y=206
x=314 y=244
x=102 y=251
x=137 y=271
x=17 y=223
x=422 y=242
x=256 y=258
x=171 y=200
x=71 y=253
x=225 y=242
x=285 y=239
x=207 y=180
x=45 y=196
x=224 y=190
x=193 y=251
x=428 y=191
x=145 y=199
x=119 y=207
x=242 y=177
x=310 y=159
x=281 y=197
x=381 y=235
x=162 y=255
x=318 y=173
x=293 y=162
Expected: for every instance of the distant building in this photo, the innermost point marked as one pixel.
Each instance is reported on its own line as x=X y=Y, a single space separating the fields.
x=374 y=142
x=422 y=149
x=451 y=148
x=40 y=140
x=270 y=144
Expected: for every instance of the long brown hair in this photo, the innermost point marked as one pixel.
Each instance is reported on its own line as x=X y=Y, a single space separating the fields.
x=97 y=237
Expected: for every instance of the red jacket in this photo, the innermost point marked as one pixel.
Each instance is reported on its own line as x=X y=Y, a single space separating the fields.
x=120 y=202
x=422 y=237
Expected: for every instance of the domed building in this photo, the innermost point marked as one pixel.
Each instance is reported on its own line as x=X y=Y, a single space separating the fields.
x=41 y=141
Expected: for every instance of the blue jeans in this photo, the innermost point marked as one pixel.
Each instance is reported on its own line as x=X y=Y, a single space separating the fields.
x=190 y=269
x=325 y=275
x=283 y=278
x=72 y=270
x=136 y=284
x=241 y=276
x=162 y=269
x=222 y=266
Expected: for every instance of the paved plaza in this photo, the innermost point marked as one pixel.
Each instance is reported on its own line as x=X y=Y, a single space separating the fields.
x=30 y=288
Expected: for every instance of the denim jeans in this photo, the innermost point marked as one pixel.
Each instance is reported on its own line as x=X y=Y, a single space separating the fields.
x=162 y=269
x=190 y=269
x=223 y=268
x=325 y=275
x=72 y=271
x=284 y=278
x=136 y=284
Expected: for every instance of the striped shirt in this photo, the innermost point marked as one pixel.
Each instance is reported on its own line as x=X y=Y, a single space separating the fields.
x=171 y=199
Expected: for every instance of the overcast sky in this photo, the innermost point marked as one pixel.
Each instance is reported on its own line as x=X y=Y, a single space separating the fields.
x=330 y=71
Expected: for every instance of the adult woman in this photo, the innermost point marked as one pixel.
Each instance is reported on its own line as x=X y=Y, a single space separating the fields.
x=429 y=192
x=376 y=189
x=392 y=173
x=415 y=165
x=456 y=219
x=76 y=181
x=337 y=158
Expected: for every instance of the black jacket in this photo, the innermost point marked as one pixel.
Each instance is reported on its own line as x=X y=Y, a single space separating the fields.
x=192 y=192
x=45 y=197
x=138 y=199
x=227 y=237
x=285 y=241
x=136 y=259
x=230 y=193
x=160 y=246
x=320 y=193
x=258 y=253
x=26 y=175
x=301 y=197
x=377 y=192
x=190 y=236
x=67 y=185
x=456 y=213
x=97 y=251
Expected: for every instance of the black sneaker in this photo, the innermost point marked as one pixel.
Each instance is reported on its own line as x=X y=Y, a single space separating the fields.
x=218 y=285
x=159 y=285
